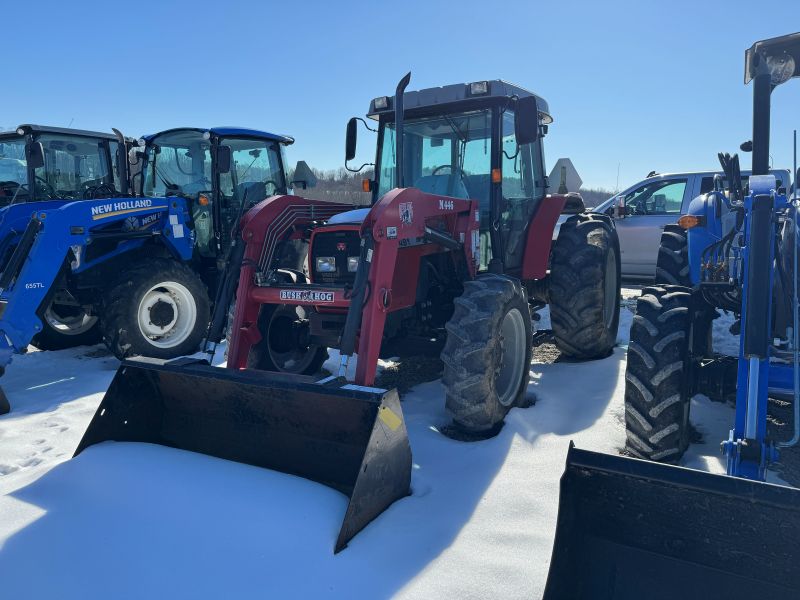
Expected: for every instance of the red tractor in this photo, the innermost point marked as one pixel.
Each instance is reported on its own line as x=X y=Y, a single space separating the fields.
x=462 y=255
x=456 y=247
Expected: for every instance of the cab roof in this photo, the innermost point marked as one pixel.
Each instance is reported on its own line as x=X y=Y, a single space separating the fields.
x=229 y=132
x=460 y=92
x=31 y=128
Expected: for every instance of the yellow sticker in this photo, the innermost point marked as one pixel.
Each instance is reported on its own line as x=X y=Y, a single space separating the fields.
x=387 y=416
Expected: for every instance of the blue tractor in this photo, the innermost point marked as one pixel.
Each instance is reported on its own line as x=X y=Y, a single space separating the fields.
x=736 y=251
x=103 y=237
x=631 y=528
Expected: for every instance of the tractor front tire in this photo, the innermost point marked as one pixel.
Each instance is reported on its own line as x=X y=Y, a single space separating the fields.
x=487 y=354
x=285 y=346
x=672 y=266
x=66 y=326
x=656 y=397
x=584 y=287
x=158 y=309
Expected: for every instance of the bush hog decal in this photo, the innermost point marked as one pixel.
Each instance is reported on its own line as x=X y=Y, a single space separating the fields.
x=306 y=296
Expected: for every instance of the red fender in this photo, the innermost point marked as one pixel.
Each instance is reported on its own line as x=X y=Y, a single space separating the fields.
x=540 y=237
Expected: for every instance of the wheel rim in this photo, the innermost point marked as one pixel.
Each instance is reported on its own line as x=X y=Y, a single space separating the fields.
x=287 y=342
x=610 y=291
x=512 y=357
x=69 y=324
x=167 y=314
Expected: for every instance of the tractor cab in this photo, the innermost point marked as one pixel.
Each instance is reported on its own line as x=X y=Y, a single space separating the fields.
x=221 y=171
x=40 y=163
x=479 y=141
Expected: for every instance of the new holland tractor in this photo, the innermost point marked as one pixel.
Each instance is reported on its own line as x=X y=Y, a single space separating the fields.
x=456 y=245
x=83 y=257
x=631 y=528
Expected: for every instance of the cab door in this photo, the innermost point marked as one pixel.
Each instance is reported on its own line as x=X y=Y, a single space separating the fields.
x=649 y=208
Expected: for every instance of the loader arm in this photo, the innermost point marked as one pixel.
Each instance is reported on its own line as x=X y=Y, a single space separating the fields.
x=403 y=218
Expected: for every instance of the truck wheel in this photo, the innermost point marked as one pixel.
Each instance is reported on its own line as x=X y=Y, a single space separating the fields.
x=487 y=354
x=656 y=398
x=285 y=346
x=66 y=324
x=584 y=287
x=159 y=309
x=672 y=266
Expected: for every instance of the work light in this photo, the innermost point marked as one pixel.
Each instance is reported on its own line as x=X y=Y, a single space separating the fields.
x=326 y=264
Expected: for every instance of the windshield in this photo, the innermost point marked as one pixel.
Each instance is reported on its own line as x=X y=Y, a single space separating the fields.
x=255 y=170
x=13 y=171
x=178 y=162
x=448 y=155
x=75 y=167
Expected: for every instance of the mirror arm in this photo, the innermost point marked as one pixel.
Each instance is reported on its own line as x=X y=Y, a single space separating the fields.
x=359 y=169
x=364 y=122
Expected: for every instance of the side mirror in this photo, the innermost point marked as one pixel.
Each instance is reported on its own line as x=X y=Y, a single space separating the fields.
x=351 y=139
x=222 y=159
x=526 y=120
x=34 y=155
x=303 y=176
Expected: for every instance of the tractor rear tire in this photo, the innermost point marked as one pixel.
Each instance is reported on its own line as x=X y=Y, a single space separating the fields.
x=158 y=309
x=656 y=396
x=487 y=354
x=67 y=326
x=672 y=266
x=284 y=345
x=584 y=288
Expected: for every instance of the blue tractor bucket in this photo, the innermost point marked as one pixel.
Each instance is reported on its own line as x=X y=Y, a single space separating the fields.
x=350 y=438
x=632 y=529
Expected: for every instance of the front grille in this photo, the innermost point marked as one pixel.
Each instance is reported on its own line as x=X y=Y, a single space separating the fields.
x=329 y=243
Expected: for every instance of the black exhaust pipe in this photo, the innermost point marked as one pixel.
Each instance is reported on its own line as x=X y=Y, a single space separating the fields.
x=398 y=128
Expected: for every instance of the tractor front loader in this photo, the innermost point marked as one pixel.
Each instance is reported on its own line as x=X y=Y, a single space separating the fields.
x=456 y=246
x=633 y=528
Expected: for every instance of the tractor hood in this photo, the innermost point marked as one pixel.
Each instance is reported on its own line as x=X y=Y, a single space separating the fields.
x=356 y=216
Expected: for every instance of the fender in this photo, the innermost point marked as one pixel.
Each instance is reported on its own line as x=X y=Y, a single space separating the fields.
x=540 y=236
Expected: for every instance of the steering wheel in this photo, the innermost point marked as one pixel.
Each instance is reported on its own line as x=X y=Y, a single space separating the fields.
x=49 y=190
x=453 y=169
x=93 y=192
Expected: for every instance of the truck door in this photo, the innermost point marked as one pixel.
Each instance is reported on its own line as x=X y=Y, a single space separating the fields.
x=648 y=209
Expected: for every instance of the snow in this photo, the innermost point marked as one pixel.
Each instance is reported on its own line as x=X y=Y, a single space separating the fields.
x=129 y=520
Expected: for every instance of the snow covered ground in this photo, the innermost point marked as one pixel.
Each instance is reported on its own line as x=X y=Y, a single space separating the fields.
x=142 y=521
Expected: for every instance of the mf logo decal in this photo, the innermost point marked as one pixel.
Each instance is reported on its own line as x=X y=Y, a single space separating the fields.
x=445 y=205
x=306 y=296
x=406 y=213
x=391 y=232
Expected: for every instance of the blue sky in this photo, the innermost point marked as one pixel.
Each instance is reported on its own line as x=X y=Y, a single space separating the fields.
x=640 y=85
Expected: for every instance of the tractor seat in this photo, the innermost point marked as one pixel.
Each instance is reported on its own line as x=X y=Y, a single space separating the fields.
x=441 y=185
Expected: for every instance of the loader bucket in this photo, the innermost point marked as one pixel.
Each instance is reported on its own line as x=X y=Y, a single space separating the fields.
x=350 y=438
x=630 y=528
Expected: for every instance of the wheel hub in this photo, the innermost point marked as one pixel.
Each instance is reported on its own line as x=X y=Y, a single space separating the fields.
x=162 y=314
x=167 y=314
x=511 y=363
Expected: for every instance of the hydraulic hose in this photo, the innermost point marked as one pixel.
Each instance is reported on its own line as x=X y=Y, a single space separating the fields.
x=795 y=334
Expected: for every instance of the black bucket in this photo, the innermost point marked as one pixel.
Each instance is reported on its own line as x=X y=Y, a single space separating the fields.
x=348 y=437
x=634 y=529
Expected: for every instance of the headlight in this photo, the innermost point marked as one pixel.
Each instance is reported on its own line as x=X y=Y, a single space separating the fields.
x=352 y=264
x=326 y=264
x=781 y=68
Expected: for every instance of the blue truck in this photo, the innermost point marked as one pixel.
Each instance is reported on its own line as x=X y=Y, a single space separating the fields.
x=103 y=237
